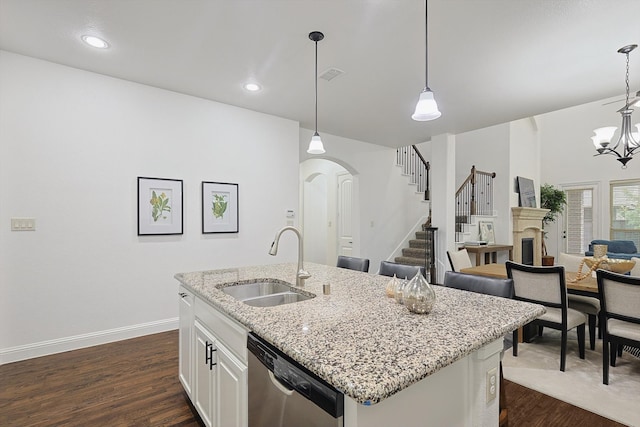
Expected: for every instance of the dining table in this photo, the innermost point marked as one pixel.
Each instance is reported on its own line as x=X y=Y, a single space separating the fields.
x=587 y=286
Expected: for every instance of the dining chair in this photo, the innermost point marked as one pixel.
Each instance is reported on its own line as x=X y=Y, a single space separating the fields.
x=547 y=286
x=588 y=305
x=620 y=299
x=459 y=259
x=488 y=286
x=402 y=271
x=353 y=263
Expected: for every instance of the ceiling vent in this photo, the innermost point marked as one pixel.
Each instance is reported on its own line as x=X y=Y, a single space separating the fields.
x=331 y=74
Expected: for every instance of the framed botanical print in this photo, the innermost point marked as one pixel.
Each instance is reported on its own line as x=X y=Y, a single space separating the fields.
x=159 y=206
x=219 y=207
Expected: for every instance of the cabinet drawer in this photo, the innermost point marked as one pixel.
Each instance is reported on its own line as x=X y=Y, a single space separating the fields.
x=227 y=330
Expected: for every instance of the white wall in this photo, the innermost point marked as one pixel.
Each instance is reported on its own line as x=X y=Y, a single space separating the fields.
x=71 y=146
x=386 y=207
x=567 y=156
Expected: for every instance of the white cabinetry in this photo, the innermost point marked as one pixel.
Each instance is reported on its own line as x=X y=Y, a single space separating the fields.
x=217 y=366
x=232 y=389
x=204 y=386
x=187 y=318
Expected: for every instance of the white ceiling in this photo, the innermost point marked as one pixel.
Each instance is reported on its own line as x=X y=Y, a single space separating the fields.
x=491 y=61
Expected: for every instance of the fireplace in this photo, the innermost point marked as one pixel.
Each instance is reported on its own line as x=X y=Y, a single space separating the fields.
x=527 y=251
x=527 y=224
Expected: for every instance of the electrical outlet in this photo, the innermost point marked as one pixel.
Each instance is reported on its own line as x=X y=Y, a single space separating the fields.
x=492 y=384
x=23 y=224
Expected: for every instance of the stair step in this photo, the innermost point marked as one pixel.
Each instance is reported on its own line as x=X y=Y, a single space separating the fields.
x=417 y=244
x=410 y=261
x=422 y=235
x=414 y=252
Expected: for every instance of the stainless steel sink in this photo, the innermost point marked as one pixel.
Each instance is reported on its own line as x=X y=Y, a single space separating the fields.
x=276 y=299
x=265 y=294
x=255 y=289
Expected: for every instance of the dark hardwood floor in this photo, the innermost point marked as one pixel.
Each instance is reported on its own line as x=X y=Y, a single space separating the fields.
x=135 y=383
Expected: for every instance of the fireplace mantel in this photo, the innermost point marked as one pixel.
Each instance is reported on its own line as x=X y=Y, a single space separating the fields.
x=527 y=223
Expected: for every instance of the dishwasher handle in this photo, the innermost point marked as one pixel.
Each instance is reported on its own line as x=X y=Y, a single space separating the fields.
x=283 y=388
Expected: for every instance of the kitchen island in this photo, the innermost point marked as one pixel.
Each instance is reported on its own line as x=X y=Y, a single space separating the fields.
x=392 y=365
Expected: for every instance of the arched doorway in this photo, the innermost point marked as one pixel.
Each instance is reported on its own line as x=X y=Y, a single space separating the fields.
x=327 y=220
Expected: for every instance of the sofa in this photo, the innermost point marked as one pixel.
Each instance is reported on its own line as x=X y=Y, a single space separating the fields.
x=623 y=249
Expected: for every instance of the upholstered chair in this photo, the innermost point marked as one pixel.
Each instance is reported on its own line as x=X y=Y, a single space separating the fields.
x=401 y=271
x=588 y=305
x=546 y=286
x=459 y=259
x=620 y=299
x=353 y=263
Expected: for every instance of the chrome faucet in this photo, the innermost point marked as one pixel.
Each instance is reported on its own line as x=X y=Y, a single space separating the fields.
x=302 y=273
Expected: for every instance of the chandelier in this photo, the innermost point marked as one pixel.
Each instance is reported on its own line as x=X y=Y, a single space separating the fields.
x=628 y=141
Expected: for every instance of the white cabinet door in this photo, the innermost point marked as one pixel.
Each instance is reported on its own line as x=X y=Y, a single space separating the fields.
x=232 y=390
x=204 y=387
x=186 y=310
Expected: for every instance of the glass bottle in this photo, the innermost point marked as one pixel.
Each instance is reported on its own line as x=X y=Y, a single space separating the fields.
x=419 y=296
x=391 y=287
x=399 y=294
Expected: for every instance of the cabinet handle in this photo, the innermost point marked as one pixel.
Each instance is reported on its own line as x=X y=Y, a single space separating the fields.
x=182 y=294
x=208 y=355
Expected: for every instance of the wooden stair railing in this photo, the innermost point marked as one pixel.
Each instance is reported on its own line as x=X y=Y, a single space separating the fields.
x=414 y=165
x=474 y=197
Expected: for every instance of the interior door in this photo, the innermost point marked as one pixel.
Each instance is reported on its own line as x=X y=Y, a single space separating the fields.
x=345 y=217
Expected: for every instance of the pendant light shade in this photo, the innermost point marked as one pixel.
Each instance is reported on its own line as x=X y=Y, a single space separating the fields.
x=427 y=108
x=315 y=146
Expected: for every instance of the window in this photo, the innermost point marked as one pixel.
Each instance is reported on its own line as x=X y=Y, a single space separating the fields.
x=625 y=211
x=578 y=217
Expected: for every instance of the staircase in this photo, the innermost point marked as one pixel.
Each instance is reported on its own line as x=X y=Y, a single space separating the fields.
x=474 y=201
x=415 y=167
x=418 y=251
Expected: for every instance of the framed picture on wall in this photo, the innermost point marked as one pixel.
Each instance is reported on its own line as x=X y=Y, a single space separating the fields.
x=219 y=207
x=159 y=206
x=486 y=232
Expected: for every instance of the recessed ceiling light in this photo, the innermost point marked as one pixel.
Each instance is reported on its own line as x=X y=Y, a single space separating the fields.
x=252 y=87
x=96 y=42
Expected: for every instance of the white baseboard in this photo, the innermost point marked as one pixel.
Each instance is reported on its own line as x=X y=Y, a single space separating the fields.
x=44 y=348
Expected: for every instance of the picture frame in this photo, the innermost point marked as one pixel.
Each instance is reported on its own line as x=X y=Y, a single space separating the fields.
x=526 y=192
x=160 y=206
x=486 y=232
x=219 y=207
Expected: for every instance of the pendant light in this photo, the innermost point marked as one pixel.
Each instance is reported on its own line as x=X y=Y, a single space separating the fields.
x=628 y=141
x=426 y=109
x=315 y=146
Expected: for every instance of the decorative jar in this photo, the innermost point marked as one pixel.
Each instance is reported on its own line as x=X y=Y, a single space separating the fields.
x=392 y=285
x=419 y=296
x=399 y=294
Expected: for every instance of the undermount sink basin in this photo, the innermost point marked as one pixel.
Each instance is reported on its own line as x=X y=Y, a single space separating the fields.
x=265 y=294
x=276 y=299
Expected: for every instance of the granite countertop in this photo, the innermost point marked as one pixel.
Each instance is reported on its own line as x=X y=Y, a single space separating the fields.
x=357 y=339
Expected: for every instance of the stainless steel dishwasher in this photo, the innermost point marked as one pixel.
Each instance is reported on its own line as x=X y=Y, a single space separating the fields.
x=284 y=394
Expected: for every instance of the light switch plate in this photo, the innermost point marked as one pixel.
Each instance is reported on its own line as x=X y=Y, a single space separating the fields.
x=23 y=224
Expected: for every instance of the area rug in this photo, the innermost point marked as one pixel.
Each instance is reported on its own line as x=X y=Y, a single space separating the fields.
x=538 y=367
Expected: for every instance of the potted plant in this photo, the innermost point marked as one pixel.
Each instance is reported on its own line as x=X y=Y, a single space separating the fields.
x=553 y=199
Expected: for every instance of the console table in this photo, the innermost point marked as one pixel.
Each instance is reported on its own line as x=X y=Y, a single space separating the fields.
x=489 y=251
